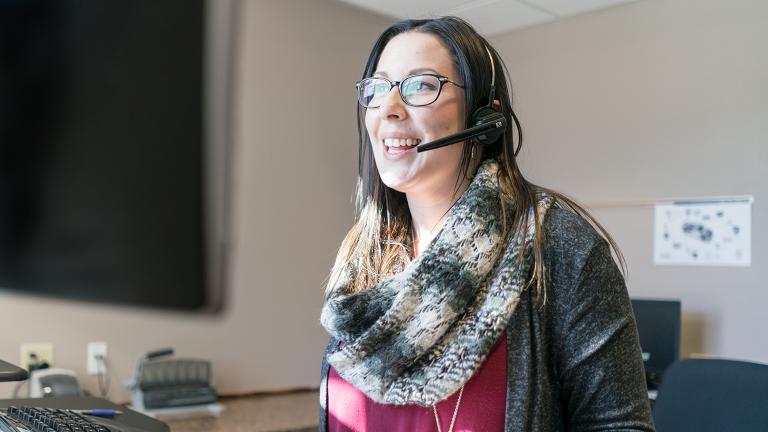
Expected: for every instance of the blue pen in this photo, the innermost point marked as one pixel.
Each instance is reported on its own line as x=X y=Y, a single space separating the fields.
x=108 y=413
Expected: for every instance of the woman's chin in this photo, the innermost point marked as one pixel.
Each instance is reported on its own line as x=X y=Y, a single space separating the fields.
x=395 y=181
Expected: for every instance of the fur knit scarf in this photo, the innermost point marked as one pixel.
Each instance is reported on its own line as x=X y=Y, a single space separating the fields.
x=418 y=336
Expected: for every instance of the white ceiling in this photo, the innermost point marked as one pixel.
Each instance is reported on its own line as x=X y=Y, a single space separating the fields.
x=489 y=17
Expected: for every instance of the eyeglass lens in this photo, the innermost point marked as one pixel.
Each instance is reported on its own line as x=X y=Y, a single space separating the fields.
x=416 y=90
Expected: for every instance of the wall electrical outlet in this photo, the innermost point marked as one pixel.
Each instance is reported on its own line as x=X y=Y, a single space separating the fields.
x=96 y=366
x=43 y=352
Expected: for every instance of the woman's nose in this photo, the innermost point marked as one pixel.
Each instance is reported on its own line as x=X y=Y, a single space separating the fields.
x=393 y=106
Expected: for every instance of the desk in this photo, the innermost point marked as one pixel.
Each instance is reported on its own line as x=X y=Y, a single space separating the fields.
x=280 y=412
x=129 y=417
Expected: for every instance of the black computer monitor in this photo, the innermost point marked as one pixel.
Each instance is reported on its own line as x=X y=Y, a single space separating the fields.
x=658 y=322
x=114 y=148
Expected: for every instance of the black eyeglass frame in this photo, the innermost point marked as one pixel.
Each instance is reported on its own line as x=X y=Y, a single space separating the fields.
x=392 y=84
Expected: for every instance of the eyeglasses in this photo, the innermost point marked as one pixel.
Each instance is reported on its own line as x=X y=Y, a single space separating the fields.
x=415 y=90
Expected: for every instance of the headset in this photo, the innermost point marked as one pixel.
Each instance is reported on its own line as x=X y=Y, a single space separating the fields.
x=488 y=123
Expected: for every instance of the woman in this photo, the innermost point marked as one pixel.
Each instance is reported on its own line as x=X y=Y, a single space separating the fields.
x=464 y=297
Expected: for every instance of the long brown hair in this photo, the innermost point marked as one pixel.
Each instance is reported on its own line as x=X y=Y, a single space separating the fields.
x=379 y=244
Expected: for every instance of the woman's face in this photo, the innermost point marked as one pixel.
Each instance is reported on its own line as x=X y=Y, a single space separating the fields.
x=408 y=171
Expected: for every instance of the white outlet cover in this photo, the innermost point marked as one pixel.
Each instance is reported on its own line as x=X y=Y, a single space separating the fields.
x=94 y=349
x=43 y=351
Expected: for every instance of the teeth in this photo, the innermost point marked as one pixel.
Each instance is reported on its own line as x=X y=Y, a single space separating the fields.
x=396 y=142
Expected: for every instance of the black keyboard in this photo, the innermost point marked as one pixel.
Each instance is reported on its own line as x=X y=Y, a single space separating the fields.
x=17 y=419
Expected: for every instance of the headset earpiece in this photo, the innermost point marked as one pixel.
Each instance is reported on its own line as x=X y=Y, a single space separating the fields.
x=486 y=115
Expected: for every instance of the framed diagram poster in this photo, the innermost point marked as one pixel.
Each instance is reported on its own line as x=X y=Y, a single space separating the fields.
x=713 y=232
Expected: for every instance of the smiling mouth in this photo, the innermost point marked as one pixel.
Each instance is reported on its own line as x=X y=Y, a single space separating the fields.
x=396 y=145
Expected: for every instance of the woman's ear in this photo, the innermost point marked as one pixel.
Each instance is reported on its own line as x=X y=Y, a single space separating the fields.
x=496 y=105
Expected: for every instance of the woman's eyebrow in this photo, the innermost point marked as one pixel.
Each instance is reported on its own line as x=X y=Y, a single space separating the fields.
x=410 y=72
x=421 y=70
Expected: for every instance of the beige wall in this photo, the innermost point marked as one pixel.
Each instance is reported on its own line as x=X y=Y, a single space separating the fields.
x=657 y=99
x=294 y=167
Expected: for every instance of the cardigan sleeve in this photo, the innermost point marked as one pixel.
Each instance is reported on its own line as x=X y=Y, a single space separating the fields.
x=598 y=350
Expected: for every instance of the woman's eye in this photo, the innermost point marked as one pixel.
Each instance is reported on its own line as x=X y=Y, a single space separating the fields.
x=420 y=86
x=425 y=86
x=381 y=88
x=375 y=89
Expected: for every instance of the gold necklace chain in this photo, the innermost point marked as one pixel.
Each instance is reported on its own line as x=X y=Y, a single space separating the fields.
x=455 y=411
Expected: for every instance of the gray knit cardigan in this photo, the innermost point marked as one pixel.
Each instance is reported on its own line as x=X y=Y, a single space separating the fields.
x=573 y=364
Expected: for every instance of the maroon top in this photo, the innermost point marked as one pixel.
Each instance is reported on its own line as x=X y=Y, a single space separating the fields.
x=482 y=404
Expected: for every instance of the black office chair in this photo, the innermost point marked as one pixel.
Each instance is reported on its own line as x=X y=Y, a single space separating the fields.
x=713 y=395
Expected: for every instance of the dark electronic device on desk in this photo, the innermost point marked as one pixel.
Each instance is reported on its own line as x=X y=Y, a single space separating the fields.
x=658 y=323
x=9 y=372
x=69 y=413
x=160 y=383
